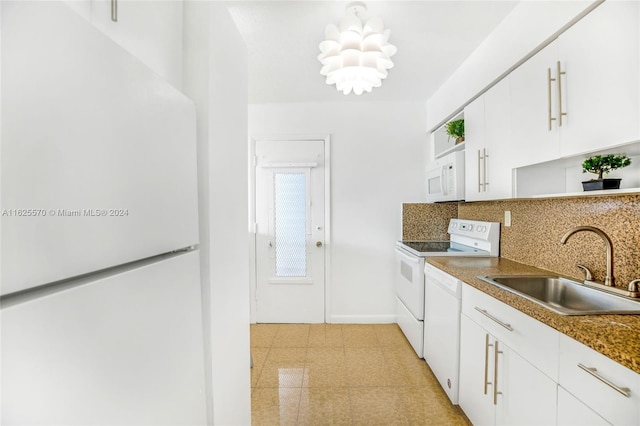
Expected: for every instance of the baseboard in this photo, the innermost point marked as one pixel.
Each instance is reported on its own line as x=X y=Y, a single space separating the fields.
x=362 y=319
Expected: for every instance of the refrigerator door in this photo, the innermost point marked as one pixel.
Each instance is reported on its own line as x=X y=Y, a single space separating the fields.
x=98 y=152
x=122 y=349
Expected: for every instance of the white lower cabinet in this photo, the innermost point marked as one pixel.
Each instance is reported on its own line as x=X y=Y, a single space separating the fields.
x=515 y=370
x=528 y=395
x=573 y=412
x=606 y=387
x=475 y=395
x=498 y=386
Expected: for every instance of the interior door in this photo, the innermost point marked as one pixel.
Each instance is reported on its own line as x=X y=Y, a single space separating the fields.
x=290 y=231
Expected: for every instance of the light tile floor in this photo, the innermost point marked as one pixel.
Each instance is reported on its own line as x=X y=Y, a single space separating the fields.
x=339 y=374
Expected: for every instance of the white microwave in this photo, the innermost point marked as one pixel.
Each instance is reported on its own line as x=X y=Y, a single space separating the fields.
x=445 y=178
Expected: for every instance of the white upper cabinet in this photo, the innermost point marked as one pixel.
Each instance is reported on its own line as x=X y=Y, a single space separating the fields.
x=488 y=148
x=600 y=57
x=534 y=109
x=474 y=141
x=580 y=93
x=149 y=30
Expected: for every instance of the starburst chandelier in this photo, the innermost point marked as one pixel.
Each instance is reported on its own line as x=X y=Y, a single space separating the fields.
x=356 y=55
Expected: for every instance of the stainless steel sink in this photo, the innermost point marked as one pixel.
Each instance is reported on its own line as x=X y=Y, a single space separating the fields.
x=564 y=296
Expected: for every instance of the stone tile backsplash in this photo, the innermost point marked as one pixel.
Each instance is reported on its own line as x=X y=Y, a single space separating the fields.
x=537 y=226
x=427 y=221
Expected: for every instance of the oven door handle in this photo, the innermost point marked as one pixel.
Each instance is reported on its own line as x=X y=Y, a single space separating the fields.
x=408 y=257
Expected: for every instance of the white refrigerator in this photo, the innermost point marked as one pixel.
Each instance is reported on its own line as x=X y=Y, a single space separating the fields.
x=101 y=311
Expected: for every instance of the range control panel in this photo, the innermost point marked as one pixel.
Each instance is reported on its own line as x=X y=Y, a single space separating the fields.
x=473 y=228
x=474 y=233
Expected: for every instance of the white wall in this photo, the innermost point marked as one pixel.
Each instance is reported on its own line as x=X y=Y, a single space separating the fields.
x=215 y=77
x=377 y=162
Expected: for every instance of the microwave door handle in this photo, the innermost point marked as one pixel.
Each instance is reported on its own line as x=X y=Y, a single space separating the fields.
x=443 y=177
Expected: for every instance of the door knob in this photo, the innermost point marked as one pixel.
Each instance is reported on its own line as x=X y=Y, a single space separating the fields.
x=318 y=243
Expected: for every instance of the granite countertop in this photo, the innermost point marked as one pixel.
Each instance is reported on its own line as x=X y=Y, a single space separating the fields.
x=615 y=336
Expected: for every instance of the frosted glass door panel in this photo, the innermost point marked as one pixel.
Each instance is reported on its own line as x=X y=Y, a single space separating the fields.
x=290 y=223
x=98 y=152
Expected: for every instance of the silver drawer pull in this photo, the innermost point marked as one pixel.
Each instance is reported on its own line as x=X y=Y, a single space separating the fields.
x=594 y=372
x=488 y=315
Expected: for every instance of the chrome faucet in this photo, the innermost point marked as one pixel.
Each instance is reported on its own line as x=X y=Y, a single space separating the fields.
x=609 y=280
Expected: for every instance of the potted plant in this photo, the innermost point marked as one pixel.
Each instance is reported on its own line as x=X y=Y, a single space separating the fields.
x=602 y=165
x=455 y=129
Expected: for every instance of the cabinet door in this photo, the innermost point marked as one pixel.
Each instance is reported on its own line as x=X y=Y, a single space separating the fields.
x=81 y=7
x=532 y=103
x=599 y=56
x=476 y=373
x=572 y=412
x=474 y=144
x=150 y=30
x=498 y=163
x=526 y=396
x=608 y=388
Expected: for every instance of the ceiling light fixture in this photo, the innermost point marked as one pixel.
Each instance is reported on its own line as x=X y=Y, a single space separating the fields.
x=356 y=56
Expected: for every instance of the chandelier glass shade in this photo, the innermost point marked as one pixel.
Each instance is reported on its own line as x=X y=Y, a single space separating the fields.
x=356 y=55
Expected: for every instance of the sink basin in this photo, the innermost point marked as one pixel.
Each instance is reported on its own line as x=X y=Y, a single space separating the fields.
x=564 y=296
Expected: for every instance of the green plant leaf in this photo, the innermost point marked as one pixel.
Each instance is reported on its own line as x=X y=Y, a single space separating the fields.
x=604 y=164
x=455 y=128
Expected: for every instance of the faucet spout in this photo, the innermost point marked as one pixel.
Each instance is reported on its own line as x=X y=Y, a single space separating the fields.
x=609 y=279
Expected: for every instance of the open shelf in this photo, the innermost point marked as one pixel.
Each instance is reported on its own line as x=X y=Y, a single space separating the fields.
x=444 y=144
x=563 y=177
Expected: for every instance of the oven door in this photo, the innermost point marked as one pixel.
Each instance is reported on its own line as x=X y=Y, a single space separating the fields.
x=410 y=282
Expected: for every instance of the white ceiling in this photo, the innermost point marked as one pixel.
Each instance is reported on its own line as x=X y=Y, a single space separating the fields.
x=433 y=38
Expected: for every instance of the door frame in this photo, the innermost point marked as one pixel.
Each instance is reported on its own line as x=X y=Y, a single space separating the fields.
x=253 y=282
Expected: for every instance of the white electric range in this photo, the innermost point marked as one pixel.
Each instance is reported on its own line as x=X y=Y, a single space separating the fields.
x=468 y=238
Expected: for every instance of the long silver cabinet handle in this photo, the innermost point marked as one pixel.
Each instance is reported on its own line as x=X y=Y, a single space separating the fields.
x=488 y=315
x=549 y=80
x=479 y=175
x=594 y=372
x=114 y=10
x=560 y=113
x=486 y=363
x=495 y=372
x=484 y=169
